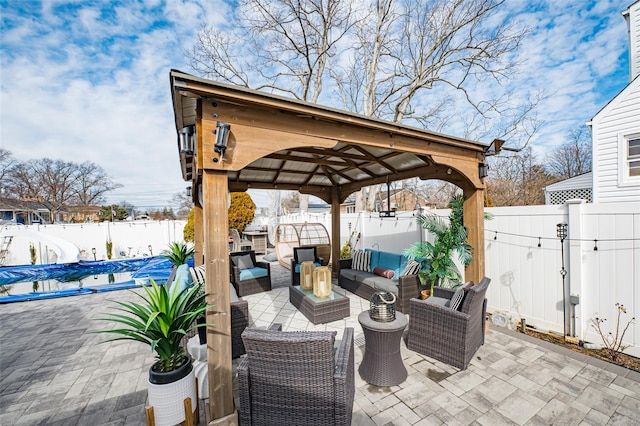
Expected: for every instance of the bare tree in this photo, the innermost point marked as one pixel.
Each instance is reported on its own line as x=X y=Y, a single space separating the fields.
x=400 y=60
x=572 y=158
x=7 y=163
x=281 y=45
x=58 y=184
x=518 y=180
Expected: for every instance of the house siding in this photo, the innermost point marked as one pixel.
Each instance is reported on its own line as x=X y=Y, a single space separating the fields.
x=620 y=118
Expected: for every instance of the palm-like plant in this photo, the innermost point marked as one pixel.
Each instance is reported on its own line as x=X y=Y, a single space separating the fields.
x=437 y=263
x=178 y=253
x=161 y=321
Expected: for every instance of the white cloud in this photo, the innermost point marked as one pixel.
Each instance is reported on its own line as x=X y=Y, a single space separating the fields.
x=88 y=81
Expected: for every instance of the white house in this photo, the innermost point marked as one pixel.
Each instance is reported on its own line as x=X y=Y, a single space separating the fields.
x=616 y=131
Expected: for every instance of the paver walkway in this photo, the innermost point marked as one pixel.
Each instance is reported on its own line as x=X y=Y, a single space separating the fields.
x=53 y=372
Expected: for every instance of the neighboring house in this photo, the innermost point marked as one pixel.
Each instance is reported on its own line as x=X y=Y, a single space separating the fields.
x=577 y=187
x=22 y=212
x=398 y=199
x=615 y=131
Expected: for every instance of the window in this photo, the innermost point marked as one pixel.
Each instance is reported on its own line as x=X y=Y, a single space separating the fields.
x=633 y=156
x=351 y=209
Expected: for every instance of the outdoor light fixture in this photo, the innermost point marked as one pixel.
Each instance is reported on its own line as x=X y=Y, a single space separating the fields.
x=188 y=191
x=561 y=232
x=93 y=250
x=222 y=134
x=187 y=139
x=483 y=170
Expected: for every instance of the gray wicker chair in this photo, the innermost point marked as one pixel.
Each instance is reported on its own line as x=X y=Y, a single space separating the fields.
x=293 y=378
x=301 y=254
x=257 y=279
x=448 y=335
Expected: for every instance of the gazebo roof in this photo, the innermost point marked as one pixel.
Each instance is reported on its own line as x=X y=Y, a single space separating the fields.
x=321 y=147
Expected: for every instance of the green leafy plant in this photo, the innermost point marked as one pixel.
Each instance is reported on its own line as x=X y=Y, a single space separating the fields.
x=32 y=251
x=345 y=251
x=438 y=266
x=161 y=322
x=612 y=343
x=178 y=253
x=109 y=246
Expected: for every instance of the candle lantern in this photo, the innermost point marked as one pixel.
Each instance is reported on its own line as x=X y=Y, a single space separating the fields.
x=322 y=282
x=306 y=275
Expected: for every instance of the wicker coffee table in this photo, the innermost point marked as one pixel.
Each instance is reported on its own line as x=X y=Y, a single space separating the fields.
x=317 y=310
x=382 y=363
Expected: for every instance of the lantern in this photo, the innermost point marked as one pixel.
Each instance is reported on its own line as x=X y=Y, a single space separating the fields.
x=322 y=282
x=306 y=275
x=383 y=306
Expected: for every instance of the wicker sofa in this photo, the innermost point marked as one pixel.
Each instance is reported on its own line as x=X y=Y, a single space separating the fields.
x=366 y=283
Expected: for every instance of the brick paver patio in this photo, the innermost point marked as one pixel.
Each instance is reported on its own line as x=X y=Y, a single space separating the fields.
x=54 y=372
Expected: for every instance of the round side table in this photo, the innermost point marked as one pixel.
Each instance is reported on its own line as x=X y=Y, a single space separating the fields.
x=382 y=363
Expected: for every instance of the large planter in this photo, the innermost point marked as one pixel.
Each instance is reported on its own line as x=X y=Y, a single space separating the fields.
x=167 y=397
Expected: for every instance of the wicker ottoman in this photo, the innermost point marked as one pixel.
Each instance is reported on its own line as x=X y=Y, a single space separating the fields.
x=382 y=363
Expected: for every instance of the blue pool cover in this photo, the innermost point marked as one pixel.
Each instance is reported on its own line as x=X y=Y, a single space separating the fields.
x=158 y=268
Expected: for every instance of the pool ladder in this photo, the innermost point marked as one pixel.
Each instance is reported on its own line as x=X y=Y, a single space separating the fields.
x=4 y=249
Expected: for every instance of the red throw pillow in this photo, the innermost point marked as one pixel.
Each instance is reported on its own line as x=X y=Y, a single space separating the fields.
x=387 y=273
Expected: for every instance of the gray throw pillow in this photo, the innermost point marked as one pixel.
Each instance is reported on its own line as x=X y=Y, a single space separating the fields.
x=305 y=255
x=244 y=261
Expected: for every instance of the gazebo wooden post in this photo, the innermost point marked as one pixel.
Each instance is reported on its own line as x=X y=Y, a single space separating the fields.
x=216 y=250
x=198 y=235
x=335 y=231
x=474 y=221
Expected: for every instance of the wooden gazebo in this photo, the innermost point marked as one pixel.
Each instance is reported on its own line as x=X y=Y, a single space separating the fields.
x=232 y=138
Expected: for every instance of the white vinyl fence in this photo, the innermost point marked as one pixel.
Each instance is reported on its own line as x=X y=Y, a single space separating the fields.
x=523 y=257
x=130 y=239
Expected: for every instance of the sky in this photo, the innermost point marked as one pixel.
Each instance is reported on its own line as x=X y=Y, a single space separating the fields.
x=88 y=80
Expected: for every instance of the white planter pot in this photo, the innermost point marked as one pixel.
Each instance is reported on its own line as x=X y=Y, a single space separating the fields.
x=167 y=400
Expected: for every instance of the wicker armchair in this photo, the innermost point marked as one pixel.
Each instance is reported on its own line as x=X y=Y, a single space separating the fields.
x=292 y=378
x=301 y=254
x=448 y=335
x=247 y=275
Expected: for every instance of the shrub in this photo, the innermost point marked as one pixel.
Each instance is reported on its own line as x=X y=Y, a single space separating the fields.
x=189 y=228
x=241 y=211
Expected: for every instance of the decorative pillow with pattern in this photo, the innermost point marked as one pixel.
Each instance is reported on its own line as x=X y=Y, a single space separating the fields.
x=456 y=299
x=412 y=268
x=361 y=260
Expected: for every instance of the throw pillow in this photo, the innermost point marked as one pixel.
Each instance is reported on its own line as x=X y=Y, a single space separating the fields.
x=305 y=255
x=412 y=268
x=386 y=273
x=456 y=300
x=361 y=260
x=244 y=261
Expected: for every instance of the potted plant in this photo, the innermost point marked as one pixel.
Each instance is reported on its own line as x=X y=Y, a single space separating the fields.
x=161 y=320
x=438 y=267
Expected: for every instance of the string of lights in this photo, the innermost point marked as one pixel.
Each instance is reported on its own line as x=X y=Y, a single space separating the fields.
x=540 y=238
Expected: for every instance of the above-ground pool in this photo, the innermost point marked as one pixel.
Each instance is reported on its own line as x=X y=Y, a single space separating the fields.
x=29 y=282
